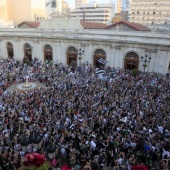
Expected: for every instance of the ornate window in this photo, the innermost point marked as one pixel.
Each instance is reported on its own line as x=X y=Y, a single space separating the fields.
x=72 y=49
x=27 y=46
x=48 y=47
x=9 y=45
x=132 y=55
x=99 y=52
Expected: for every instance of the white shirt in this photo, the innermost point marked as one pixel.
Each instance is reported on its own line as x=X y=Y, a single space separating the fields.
x=160 y=129
x=120 y=160
x=92 y=145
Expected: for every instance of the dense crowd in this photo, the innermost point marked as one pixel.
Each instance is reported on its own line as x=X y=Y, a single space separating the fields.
x=117 y=122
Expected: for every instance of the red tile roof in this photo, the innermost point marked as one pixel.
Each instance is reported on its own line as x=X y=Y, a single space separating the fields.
x=92 y=25
x=32 y=24
x=135 y=26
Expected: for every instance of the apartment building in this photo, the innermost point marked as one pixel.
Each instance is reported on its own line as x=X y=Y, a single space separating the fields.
x=22 y=10
x=65 y=7
x=94 y=12
x=150 y=12
x=118 y=5
x=80 y=2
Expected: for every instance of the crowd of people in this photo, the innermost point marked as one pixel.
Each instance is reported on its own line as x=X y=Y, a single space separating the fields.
x=115 y=123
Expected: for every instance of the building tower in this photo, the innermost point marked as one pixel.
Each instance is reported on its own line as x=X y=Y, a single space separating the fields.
x=119 y=6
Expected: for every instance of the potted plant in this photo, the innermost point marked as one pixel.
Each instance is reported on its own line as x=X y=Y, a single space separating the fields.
x=35 y=161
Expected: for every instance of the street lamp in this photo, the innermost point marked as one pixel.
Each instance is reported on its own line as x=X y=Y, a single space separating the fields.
x=36 y=140
x=25 y=141
x=30 y=54
x=51 y=151
x=145 y=61
x=30 y=50
x=80 y=52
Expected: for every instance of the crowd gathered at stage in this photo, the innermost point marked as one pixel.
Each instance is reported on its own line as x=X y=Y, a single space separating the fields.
x=111 y=122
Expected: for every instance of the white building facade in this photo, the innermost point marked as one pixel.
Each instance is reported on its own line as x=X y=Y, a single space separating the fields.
x=120 y=49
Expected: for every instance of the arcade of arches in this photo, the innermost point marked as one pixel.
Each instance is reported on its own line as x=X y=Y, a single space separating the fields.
x=72 y=57
x=131 y=61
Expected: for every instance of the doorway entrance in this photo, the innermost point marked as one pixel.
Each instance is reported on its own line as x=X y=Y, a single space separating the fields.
x=48 y=54
x=97 y=55
x=10 y=50
x=131 y=61
x=28 y=52
x=72 y=56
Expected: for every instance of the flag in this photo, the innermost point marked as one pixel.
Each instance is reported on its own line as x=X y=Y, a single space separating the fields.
x=74 y=81
x=124 y=119
x=100 y=72
x=102 y=78
x=102 y=61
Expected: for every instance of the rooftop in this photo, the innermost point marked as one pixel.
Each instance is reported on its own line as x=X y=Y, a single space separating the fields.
x=135 y=26
x=92 y=25
x=32 y=24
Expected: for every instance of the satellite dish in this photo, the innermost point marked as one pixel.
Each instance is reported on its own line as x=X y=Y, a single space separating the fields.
x=51 y=6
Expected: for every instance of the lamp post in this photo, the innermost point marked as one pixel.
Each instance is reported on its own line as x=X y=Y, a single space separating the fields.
x=30 y=53
x=51 y=151
x=25 y=141
x=30 y=49
x=80 y=52
x=145 y=61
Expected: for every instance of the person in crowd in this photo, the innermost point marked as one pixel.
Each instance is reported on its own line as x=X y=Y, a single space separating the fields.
x=115 y=122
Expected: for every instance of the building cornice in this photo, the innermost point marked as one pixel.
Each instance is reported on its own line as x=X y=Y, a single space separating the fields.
x=105 y=39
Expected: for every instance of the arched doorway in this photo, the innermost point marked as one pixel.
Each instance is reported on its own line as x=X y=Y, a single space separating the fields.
x=131 y=61
x=10 y=50
x=48 y=53
x=72 y=56
x=97 y=55
x=28 y=52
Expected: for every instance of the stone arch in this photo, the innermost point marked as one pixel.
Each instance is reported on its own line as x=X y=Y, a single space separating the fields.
x=48 y=53
x=72 y=56
x=98 y=53
x=10 y=50
x=28 y=52
x=131 y=61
